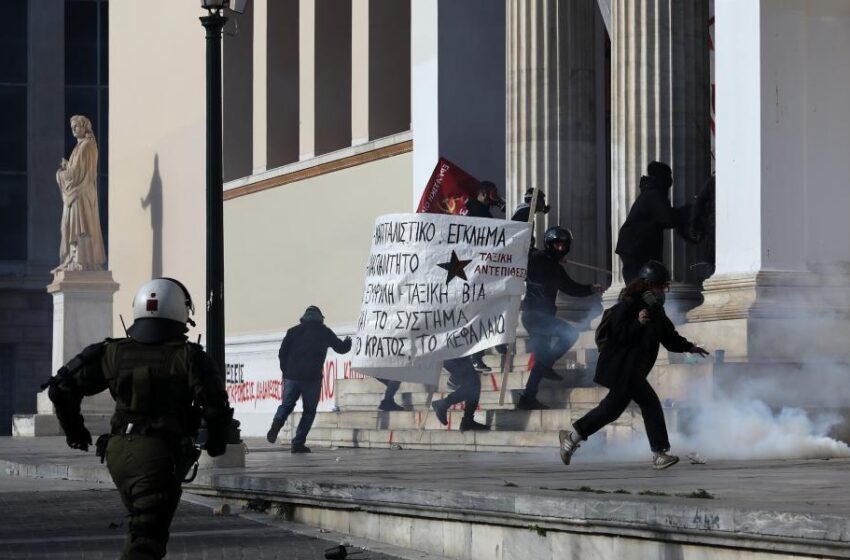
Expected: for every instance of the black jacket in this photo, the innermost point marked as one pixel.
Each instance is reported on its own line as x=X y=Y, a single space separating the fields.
x=304 y=348
x=477 y=209
x=641 y=237
x=545 y=277
x=631 y=348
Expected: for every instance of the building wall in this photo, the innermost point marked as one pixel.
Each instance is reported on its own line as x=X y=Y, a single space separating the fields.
x=306 y=243
x=157 y=132
x=320 y=225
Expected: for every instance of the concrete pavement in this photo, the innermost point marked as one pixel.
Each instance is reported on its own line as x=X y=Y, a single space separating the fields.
x=789 y=507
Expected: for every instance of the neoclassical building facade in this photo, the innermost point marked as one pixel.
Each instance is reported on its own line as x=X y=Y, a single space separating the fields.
x=336 y=112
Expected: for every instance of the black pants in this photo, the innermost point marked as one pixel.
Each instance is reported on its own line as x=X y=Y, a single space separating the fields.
x=462 y=370
x=392 y=388
x=549 y=339
x=631 y=267
x=614 y=404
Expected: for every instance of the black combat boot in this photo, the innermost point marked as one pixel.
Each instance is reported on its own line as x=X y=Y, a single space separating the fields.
x=389 y=405
x=553 y=375
x=271 y=437
x=469 y=424
x=526 y=403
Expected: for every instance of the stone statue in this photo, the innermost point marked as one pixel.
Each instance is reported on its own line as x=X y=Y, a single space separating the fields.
x=82 y=242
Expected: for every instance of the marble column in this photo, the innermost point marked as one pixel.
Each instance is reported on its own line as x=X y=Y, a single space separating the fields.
x=557 y=127
x=781 y=291
x=660 y=111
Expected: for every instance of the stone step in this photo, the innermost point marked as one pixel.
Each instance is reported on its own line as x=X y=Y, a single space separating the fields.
x=449 y=440
x=559 y=397
x=673 y=382
x=498 y=420
x=489 y=382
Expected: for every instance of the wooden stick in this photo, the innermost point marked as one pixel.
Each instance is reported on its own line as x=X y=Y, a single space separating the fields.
x=508 y=357
x=506 y=360
x=421 y=427
x=597 y=269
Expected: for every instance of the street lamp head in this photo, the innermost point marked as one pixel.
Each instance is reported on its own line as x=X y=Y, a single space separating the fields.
x=237 y=6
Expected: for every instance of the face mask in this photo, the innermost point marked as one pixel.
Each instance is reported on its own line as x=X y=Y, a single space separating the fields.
x=652 y=298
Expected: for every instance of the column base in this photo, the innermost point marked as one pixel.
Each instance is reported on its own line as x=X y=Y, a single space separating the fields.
x=775 y=316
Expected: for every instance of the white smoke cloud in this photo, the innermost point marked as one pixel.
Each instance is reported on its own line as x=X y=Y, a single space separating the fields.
x=737 y=426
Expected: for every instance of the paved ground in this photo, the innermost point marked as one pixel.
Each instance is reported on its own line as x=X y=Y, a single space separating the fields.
x=51 y=519
x=816 y=486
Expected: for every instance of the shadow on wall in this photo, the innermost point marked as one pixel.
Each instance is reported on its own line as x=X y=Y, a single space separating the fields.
x=153 y=200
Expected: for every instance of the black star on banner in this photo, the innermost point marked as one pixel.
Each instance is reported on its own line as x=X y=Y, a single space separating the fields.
x=454 y=267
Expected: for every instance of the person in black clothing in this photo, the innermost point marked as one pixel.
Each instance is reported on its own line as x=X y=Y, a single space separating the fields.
x=521 y=212
x=487 y=197
x=302 y=354
x=549 y=337
x=629 y=337
x=468 y=392
x=479 y=207
x=641 y=237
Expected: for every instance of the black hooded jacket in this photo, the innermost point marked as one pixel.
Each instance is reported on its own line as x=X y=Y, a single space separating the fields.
x=631 y=348
x=641 y=237
x=304 y=348
x=545 y=277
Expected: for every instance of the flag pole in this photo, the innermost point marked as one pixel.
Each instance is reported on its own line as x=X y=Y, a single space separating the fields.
x=508 y=357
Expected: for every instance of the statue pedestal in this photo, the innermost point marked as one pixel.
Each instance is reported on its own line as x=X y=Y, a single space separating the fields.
x=82 y=315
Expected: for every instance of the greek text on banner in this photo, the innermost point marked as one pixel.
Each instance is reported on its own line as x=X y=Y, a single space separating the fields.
x=437 y=287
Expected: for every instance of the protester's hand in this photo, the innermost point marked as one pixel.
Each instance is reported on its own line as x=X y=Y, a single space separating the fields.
x=644 y=316
x=597 y=288
x=698 y=350
x=347 y=339
x=79 y=438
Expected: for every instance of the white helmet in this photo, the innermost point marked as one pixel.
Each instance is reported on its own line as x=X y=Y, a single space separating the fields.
x=163 y=298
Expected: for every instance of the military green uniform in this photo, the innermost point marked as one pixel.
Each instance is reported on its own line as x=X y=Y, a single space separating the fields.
x=161 y=392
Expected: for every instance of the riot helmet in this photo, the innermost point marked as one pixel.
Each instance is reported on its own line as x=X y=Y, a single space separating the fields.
x=161 y=310
x=556 y=234
x=655 y=273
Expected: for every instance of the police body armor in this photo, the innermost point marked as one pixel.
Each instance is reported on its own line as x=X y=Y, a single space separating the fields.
x=152 y=388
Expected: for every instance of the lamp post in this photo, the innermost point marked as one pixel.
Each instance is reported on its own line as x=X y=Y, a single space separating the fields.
x=213 y=22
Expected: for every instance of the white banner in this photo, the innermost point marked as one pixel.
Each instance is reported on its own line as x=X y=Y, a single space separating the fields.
x=437 y=287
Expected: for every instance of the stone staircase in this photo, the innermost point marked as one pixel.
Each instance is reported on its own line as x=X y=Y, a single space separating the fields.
x=359 y=423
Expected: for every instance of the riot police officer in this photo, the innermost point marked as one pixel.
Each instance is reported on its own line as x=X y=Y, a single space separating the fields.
x=163 y=386
x=549 y=336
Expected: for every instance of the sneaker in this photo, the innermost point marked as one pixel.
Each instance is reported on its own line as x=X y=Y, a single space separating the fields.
x=478 y=363
x=389 y=406
x=662 y=460
x=526 y=403
x=469 y=424
x=441 y=409
x=452 y=384
x=299 y=448
x=568 y=446
x=550 y=373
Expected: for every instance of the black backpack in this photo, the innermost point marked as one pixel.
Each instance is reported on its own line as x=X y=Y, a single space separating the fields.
x=603 y=330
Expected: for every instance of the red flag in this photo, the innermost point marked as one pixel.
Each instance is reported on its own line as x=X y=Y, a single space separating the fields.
x=448 y=190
